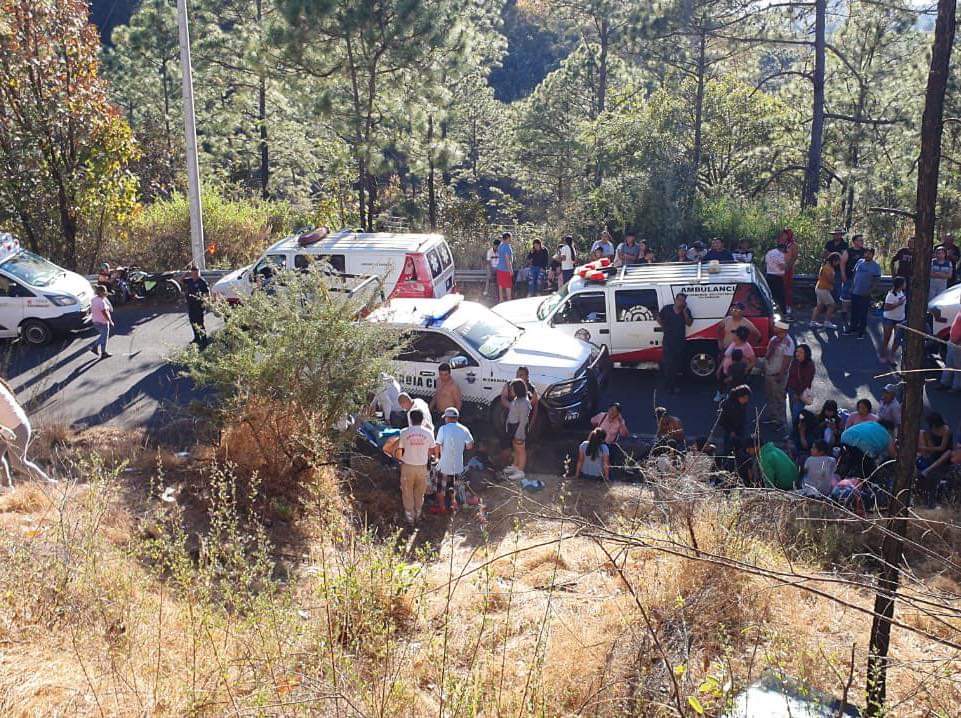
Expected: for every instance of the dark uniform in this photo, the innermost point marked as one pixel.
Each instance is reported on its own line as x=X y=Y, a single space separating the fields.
x=196 y=290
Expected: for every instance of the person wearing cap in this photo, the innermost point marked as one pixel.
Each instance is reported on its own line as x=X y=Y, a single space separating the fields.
x=697 y=252
x=780 y=351
x=890 y=408
x=453 y=439
x=775 y=265
x=196 y=290
x=681 y=253
x=718 y=252
x=732 y=321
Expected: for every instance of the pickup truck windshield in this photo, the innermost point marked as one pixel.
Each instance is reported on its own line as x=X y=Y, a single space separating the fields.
x=547 y=306
x=490 y=335
x=31 y=269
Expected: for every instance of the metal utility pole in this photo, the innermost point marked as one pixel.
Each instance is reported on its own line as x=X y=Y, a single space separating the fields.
x=190 y=132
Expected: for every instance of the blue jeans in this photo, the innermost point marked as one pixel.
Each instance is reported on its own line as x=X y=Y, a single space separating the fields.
x=533 y=280
x=952 y=360
x=104 y=331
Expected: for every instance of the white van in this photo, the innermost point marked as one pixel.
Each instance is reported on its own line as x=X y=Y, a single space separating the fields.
x=38 y=298
x=412 y=265
x=618 y=307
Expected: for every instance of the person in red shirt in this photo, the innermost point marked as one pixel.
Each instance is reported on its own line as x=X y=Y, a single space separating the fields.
x=951 y=376
x=800 y=377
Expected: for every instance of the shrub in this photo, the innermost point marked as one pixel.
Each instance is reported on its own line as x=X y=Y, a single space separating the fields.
x=235 y=231
x=296 y=362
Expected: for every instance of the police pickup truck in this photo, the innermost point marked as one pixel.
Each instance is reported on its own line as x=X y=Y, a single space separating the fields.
x=485 y=351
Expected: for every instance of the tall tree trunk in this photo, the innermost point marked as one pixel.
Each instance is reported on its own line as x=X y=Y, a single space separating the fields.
x=431 y=196
x=604 y=32
x=165 y=79
x=264 y=145
x=698 y=117
x=812 y=173
x=262 y=117
x=892 y=548
x=362 y=191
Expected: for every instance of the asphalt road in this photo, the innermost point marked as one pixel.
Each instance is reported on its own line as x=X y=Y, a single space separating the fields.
x=63 y=383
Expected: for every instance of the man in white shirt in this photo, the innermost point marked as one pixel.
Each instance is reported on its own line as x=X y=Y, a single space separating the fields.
x=413 y=449
x=453 y=439
x=387 y=401
x=775 y=265
x=16 y=434
x=408 y=404
x=780 y=351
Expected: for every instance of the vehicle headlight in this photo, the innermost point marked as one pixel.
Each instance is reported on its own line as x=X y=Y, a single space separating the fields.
x=61 y=300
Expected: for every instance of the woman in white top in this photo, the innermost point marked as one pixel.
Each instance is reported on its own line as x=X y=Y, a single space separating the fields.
x=16 y=434
x=566 y=256
x=491 y=266
x=894 y=304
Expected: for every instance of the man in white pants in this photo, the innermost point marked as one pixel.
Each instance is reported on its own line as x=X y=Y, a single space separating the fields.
x=16 y=438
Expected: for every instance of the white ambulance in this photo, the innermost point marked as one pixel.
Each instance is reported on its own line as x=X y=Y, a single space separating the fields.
x=485 y=351
x=617 y=308
x=411 y=265
x=38 y=298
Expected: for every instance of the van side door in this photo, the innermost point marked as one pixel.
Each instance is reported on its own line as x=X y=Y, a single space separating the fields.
x=585 y=315
x=635 y=334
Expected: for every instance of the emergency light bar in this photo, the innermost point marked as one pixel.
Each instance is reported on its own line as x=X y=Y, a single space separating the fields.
x=8 y=245
x=444 y=307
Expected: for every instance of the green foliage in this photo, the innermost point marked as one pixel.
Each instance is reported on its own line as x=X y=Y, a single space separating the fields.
x=236 y=231
x=297 y=358
x=64 y=150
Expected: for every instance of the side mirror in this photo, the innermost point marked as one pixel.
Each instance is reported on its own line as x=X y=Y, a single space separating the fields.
x=458 y=362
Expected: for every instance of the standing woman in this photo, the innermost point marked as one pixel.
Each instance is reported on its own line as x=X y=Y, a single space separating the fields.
x=537 y=267
x=824 y=292
x=894 y=303
x=566 y=256
x=800 y=377
x=791 y=252
x=518 y=415
x=101 y=311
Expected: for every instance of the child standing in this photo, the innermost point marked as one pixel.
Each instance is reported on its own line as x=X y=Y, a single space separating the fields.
x=101 y=311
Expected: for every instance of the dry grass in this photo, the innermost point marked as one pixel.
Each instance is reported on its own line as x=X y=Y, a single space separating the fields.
x=528 y=614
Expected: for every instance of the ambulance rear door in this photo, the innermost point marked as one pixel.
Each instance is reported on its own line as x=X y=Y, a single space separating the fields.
x=635 y=333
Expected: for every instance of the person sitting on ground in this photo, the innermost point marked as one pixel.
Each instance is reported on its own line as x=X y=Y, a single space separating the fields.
x=453 y=439
x=819 y=471
x=732 y=420
x=805 y=433
x=778 y=470
x=865 y=412
x=669 y=428
x=830 y=423
x=934 y=454
x=15 y=438
x=593 y=457
x=890 y=408
x=408 y=404
x=447 y=393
